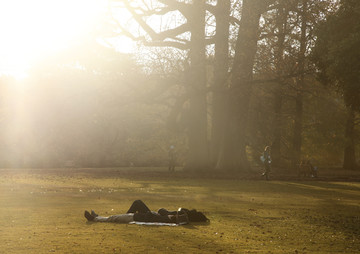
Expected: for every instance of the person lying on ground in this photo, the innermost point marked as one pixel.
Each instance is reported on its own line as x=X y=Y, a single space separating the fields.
x=149 y=217
x=139 y=212
x=139 y=206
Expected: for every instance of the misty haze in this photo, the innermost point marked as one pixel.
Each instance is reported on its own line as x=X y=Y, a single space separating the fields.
x=183 y=126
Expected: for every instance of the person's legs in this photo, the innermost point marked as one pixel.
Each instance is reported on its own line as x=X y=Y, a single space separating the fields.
x=267 y=171
x=172 y=165
x=138 y=207
x=120 y=218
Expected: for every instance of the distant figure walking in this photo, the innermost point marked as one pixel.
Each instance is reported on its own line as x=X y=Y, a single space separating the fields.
x=314 y=170
x=172 y=158
x=266 y=159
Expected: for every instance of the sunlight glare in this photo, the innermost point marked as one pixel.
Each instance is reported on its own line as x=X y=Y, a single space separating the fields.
x=37 y=28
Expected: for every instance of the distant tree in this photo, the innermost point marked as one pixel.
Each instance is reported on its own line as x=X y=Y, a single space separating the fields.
x=186 y=33
x=285 y=77
x=337 y=54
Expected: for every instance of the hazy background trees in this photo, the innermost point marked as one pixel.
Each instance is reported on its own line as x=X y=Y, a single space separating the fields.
x=337 y=56
x=220 y=80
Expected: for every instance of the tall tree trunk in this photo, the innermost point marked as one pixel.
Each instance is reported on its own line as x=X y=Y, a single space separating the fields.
x=233 y=153
x=221 y=67
x=349 y=151
x=197 y=132
x=278 y=94
x=277 y=127
x=297 y=138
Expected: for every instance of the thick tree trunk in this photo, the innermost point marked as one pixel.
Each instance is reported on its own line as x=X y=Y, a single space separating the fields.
x=233 y=153
x=277 y=127
x=349 y=151
x=198 y=158
x=221 y=67
x=278 y=95
x=297 y=138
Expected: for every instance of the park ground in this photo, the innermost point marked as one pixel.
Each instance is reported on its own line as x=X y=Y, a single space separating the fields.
x=41 y=211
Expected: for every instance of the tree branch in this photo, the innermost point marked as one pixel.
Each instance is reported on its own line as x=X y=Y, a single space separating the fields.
x=185 y=9
x=174 y=32
x=234 y=20
x=174 y=44
x=140 y=21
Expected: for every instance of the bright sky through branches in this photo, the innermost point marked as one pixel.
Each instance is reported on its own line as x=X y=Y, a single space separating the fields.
x=33 y=29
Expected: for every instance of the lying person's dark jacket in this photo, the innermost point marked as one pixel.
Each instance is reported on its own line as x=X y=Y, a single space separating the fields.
x=193 y=215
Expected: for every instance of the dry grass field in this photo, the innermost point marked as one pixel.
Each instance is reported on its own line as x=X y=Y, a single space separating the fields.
x=41 y=211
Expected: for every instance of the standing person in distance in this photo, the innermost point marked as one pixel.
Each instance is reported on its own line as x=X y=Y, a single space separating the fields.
x=266 y=159
x=172 y=158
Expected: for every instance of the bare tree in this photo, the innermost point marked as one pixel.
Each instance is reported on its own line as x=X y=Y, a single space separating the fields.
x=190 y=36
